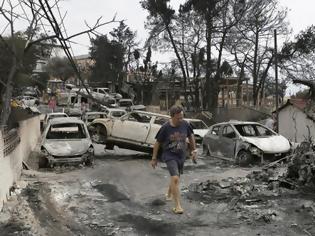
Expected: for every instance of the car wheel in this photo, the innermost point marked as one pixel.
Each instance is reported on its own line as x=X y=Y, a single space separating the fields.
x=109 y=146
x=43 y=162
x=99 y=135
x=244 y=158
x=205 y=150
x=89 y=161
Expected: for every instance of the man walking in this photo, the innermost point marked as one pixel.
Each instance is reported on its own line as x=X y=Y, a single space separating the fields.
x=172 y=137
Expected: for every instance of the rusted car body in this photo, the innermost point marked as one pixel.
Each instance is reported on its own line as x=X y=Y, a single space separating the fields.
x=244 y=141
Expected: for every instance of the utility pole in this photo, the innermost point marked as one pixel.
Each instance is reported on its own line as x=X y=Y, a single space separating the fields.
x=276 y=77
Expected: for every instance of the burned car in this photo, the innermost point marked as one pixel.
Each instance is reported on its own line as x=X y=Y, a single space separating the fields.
x=66 y=140
x=136 y=130
x=200 y=129
x=244 y=141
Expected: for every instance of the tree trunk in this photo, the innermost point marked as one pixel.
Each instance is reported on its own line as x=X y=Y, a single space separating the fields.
x=209 y=88
x=6 y=97
x=179 y=60
x=255 y=72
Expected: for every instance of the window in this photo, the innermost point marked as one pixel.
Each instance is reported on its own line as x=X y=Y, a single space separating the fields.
x=247 y=130
x=215 y=130
x=138 y=117
x=160 y=120
x=198 y=124
x=118 y=114
x=66 y=131
x=228 y=132
x=264 y=131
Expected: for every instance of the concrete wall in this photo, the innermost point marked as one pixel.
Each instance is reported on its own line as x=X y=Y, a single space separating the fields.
x=293 y=124
x=238 y=113
x=11 y=165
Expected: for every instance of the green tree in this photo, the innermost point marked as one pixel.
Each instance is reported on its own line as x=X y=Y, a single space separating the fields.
x=127 y=38
x=109 y=60
x=60 y=68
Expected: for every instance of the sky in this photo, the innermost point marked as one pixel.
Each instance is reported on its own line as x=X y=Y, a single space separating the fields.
x=300 y=15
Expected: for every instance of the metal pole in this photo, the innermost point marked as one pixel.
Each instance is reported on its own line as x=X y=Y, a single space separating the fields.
x=276 y=77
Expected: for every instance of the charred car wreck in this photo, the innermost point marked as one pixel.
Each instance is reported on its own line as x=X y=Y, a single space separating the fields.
x=66 y=140
x=245 y=142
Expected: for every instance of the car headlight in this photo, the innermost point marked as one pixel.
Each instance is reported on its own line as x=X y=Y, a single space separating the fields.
x=90 y=150
x=255 y=151
x=44 y=151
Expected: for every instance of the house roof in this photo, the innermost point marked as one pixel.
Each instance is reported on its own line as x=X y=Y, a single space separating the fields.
x=300 y=104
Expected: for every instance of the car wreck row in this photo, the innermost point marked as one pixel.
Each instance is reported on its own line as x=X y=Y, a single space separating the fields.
x=71 y=140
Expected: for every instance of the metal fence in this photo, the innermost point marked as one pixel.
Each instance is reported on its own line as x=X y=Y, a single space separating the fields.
x=10 y=139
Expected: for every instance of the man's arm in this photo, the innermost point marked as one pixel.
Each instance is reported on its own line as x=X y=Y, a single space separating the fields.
x=155 y=150
x=155 y=153
x=192 y=145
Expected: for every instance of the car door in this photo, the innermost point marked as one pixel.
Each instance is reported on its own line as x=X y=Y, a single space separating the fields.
x=156 y=124
x=212 y=139
x=132 y=127
x=228 y=141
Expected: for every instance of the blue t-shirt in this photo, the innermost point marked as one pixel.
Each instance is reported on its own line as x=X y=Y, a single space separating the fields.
x=173 y=140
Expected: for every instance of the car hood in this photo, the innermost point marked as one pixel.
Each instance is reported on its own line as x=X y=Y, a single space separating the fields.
x=67 y=147
x=200 y=132
x=271 y=144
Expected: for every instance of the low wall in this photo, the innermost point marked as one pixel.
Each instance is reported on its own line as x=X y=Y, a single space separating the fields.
x=11 y=164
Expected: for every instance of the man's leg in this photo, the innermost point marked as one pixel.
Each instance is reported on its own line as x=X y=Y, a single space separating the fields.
x=168 y=195
x=176 y=193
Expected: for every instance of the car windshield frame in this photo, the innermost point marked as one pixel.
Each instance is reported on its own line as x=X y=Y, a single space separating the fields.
x=241 y=130
x=66 y=131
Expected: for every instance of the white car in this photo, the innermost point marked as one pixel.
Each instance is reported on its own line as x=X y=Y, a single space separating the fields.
x=115 y=113
x=244 y=141
x=200 y=129
x=50 y=116
x=127 y=104
x=135 y=130
x=66 y=140
x=28 y=100
x=88 y=117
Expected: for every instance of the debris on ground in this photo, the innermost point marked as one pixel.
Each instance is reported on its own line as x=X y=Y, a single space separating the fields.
x=255 y=198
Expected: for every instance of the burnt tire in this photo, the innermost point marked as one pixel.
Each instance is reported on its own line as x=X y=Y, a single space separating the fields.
x=89 y=161
x=109 y=146
x=244 y=158
x=99 y=135
x=42 y=162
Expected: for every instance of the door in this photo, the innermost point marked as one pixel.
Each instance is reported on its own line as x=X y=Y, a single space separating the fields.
x=212 y=139
x=228 y=141
x=157 y=122
x=132 y=127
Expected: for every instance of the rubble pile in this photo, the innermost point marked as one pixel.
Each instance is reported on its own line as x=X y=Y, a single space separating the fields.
x=301 y=167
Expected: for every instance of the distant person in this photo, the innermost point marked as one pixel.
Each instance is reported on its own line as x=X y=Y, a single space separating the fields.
x=172 y=137
x=270 y=122
x=52 y=103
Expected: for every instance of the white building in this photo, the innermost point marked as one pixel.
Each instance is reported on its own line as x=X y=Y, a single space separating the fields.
x=295 y=122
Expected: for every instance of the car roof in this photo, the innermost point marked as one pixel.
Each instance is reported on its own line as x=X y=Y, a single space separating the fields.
x=236 y=122
x=64 y=120
x=190 y=119
x=150 y=113
x=125 y=99
x=95 y=113
x=115 y=109
x=57 y=113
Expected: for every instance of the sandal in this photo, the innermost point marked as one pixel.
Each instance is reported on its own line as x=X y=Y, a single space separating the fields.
x=176 y=211
x=167 y=198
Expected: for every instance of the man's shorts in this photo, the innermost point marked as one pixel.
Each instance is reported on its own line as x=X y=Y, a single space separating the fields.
x=175 y=167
